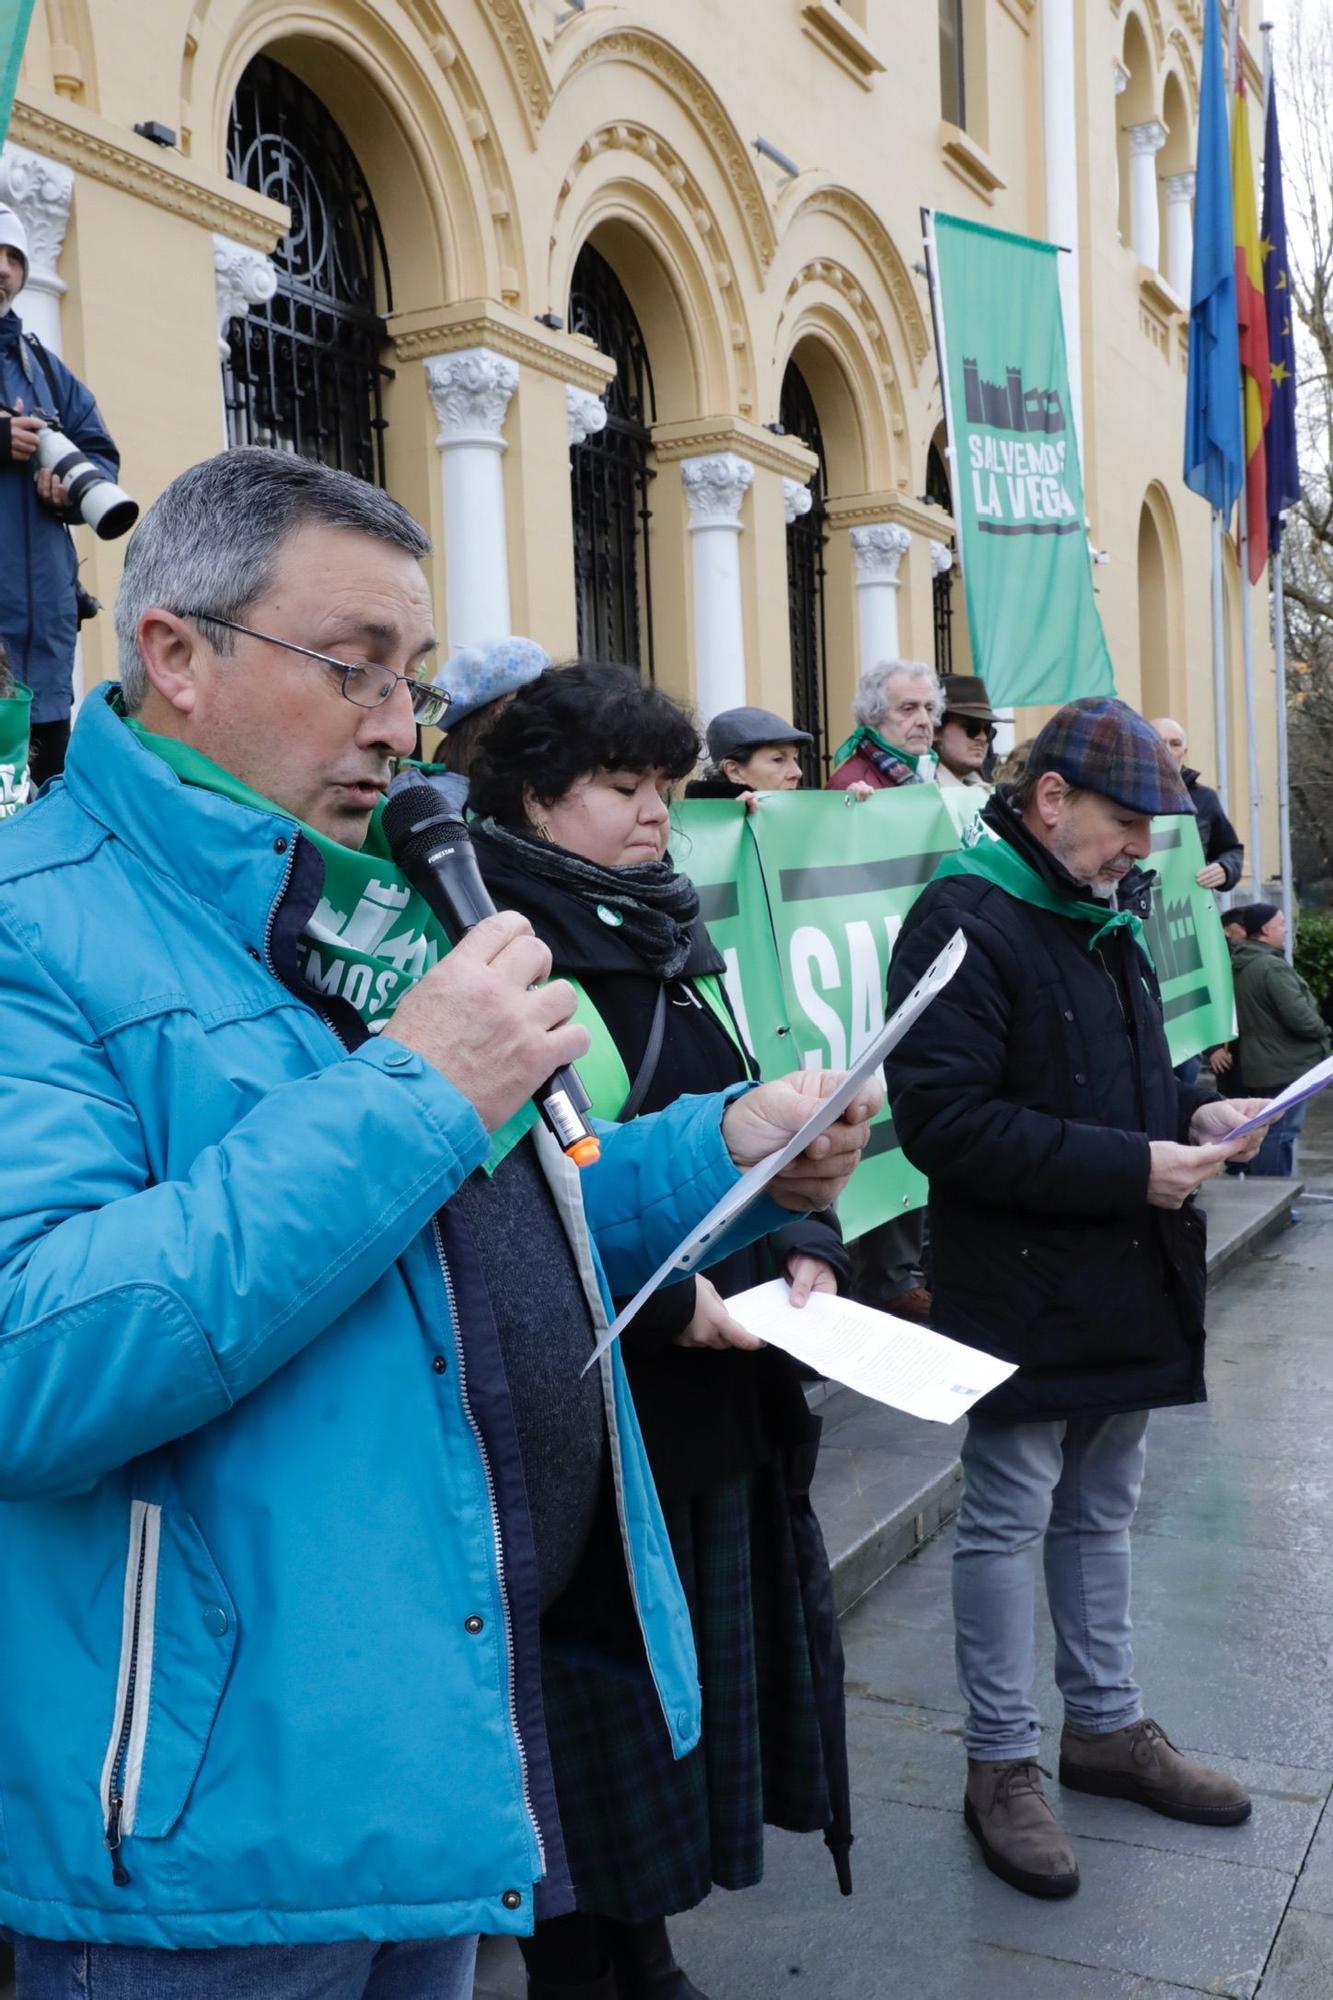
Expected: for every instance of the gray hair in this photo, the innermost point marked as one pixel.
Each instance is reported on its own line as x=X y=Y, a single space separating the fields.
x=212 y=539
x=872 y=693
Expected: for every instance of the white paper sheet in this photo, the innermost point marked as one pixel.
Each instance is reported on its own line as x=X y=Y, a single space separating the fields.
x=1309 y=1085
x=892 y=1360
x=687 y=1256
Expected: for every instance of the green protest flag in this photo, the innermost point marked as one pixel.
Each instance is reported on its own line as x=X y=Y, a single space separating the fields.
x=15 y=710
x=712 y=844
x=14 y=18
x=1017 y=485
x=1189 y=951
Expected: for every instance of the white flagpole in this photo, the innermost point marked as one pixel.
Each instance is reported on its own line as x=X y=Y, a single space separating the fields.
x=1280 y=648
x=1221 y=733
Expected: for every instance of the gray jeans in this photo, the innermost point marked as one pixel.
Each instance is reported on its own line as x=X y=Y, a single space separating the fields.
x=1072 y=1486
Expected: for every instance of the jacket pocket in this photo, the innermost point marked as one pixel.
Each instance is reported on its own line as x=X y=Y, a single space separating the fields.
x=178 y=1637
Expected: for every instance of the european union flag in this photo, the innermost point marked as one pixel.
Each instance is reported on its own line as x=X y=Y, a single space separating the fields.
x=1214 y=448
x=1284 y=472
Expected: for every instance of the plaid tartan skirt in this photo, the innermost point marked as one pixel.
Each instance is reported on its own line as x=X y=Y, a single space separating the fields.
x=647 y=1835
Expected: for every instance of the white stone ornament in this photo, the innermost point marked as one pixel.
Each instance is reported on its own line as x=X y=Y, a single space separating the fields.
x=941 y=558
x=715 y=489
x=586 y=414
x=244 y=277
x=471 y=391
x=797 y=500
x=1150 y=137
x=878 y=550
x=39 y=191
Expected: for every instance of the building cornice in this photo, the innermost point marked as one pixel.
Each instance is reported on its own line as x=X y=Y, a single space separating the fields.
x=703 y=437
x=569 y=357
x=101 y=151
x=919 y=517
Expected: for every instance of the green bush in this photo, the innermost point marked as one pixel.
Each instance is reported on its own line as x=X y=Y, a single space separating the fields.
x=1314 y=954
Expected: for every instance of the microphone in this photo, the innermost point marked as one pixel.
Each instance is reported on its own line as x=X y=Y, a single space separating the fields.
x=432 y=847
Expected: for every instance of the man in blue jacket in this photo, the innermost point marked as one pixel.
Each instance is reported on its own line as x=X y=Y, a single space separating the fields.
x=284 y=1496
x=38 y=567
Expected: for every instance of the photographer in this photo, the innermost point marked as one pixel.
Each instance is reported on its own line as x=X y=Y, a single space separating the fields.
x=39 y=615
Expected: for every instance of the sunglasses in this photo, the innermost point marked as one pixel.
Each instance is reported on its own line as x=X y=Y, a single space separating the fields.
x=972 y=727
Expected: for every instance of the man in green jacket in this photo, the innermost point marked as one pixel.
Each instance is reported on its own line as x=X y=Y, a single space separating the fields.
x=1280 y=1031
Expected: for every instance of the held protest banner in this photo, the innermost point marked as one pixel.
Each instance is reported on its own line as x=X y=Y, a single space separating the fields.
x=805 y=898
x=1017 y=485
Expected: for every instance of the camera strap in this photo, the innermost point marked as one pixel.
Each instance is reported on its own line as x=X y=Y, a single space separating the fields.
x=30 y=341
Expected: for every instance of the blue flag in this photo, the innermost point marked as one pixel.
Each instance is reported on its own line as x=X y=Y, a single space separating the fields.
x=1284 y=472
x=1214 y=447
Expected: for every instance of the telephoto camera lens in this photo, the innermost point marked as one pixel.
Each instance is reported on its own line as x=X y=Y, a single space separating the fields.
x=106 y=507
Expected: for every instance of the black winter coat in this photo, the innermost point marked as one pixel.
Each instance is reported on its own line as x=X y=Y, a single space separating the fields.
x=1028 y=1093
x=1217 y=836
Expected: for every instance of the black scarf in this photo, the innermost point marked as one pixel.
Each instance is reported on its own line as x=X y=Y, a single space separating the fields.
x=657 y=906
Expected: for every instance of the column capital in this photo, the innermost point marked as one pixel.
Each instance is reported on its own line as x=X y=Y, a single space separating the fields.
x=471 y=389
x=243 y=277
x=941 y=558
x=878 y=549
x=1179 y=187
x=797 y=500
x=715 y=489
x=1119 y=78
x=585 y=412
x=39 y=191
x=1149 y=137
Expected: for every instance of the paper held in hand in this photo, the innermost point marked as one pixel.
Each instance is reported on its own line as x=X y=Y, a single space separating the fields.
x=915 y=1370
x=1309 y=1085
x=694 y=1251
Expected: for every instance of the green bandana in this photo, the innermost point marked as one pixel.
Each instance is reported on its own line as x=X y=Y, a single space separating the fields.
x=15 y=709
x=865 y=734
x=371 y=936
x=996 y=861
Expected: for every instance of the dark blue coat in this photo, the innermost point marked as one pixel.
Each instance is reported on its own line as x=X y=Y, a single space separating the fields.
x=38 y=565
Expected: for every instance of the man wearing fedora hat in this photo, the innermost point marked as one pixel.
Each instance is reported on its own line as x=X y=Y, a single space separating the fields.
x=965 y=732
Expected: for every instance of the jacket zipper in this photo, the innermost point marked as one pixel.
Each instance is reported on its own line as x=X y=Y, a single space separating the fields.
x=496 y=1537
x=120 y=1874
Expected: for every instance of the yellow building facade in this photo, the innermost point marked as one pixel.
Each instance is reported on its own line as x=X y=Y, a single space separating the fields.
x=626 y=303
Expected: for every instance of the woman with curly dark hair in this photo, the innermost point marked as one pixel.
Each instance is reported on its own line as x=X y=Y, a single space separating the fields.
x=570 y=793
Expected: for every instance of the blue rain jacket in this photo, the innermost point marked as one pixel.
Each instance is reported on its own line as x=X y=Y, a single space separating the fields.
x=38 y=565
x=268 y=1602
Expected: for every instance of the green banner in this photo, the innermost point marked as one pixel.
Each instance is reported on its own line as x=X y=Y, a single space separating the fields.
x=15 y=709
x=805 y=898
x=1017 y=485
x=14 y=18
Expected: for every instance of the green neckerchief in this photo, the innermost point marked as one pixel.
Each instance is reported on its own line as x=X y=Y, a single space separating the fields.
x=15 y=712
x=370 y=937
x=602 y=1071
x=998 y=862
x=865 y=734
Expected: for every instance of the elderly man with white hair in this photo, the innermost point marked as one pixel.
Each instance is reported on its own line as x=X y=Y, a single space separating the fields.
x=896 y=707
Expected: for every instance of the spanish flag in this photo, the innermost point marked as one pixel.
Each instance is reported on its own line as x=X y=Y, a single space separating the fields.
x=1252 y=322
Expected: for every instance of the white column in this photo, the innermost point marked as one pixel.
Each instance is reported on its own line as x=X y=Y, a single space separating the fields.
x=878 y=551
x=715 y=490
x=39 y=192
x=797 y=500
x=1059 y=107
x=471 y=391
x=1145 y=234
x=586 y=414
x=1180 y=233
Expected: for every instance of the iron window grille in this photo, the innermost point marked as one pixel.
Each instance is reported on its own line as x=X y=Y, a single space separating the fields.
x=807 y=537
x=303 y=371
x=938 y=489
x=611 y=479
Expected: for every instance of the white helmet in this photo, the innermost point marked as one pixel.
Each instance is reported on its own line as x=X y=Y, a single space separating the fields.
x=13 y=236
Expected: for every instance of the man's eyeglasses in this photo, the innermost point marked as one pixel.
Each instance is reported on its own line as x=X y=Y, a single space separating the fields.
x=972 y=726
x=363 y=683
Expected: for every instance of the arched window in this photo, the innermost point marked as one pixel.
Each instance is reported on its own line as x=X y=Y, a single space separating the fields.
x=611 y=477
x=806 y=537
x=303 y=372
x=938 y=489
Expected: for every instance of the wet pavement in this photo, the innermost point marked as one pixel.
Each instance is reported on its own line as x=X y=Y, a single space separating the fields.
x=1234 y=1624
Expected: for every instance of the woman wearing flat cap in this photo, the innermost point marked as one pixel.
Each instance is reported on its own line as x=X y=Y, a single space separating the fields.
x=750 y=750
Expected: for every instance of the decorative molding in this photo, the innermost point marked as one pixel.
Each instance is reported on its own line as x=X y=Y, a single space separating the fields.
x=715 y=489
x=918 y=517
x=1180 y=42
x=244 y=277
x=941 y=558
x=570 y=357
x=1149 y=137
x=1179 y=187
x=585 y=412
x=102 y=152
x=797 y=500
x=832 y=29
x=471 y=391
x=648 y=51
x=867 y=228
x=1154 y=13
x=878 y=550
x=974 y=168
x=705 y=437
x=1119 y=78
x=1159 y=310
x=525 y=59
x=39 y=191
x=1020 y=11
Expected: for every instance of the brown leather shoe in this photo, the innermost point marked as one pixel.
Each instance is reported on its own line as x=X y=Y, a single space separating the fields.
x=1140 y=1764
x=1020 y=1838
x=916 y=1305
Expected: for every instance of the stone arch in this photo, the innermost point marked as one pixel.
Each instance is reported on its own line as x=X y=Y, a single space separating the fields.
x=1152 y=11
x=377 y=85
x=822 y=335
x=73 y=55
x=1136 y=106
x=1163 y=679
x=1183 y=54
x=890 y=268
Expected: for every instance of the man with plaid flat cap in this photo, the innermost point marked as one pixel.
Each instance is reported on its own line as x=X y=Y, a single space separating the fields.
x=1063 y=1157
